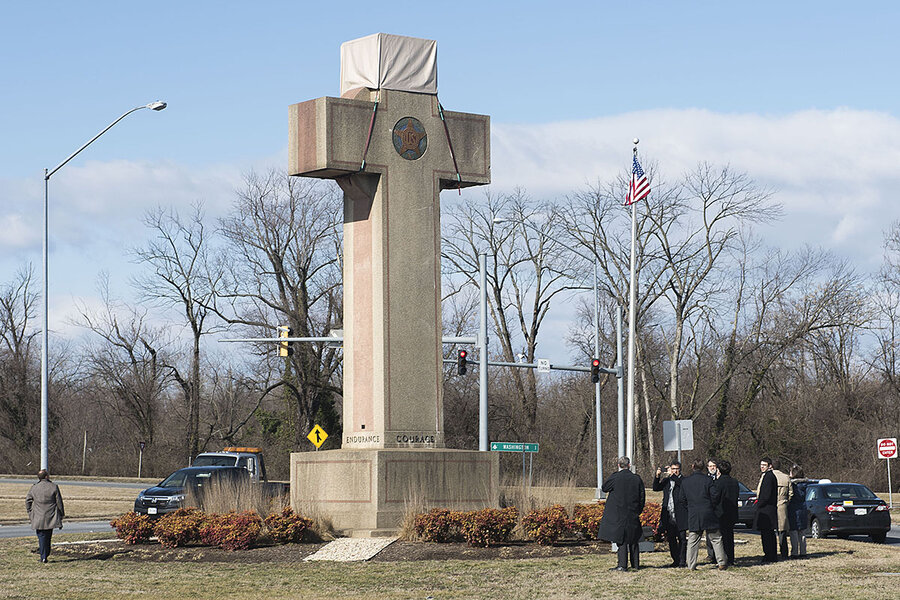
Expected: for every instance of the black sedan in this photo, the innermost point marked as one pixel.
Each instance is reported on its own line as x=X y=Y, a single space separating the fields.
x=845 y=509
x=746 y=505
x=169 y=495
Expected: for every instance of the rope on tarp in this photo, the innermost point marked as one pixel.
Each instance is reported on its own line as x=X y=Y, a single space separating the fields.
x=362 y=167
x=450 y=145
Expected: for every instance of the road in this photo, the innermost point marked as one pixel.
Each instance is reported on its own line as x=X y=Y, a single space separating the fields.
x=893 y=537
x=24 y=530
x=68 y=482
x=13 y=531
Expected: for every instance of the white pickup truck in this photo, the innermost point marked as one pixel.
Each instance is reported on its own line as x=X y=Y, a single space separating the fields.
x=248 y=458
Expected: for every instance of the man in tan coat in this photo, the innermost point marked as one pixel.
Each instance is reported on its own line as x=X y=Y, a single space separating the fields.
x=783 y=494
x=45 y=511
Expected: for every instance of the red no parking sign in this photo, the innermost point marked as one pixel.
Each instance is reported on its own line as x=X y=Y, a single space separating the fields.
x=887 y=448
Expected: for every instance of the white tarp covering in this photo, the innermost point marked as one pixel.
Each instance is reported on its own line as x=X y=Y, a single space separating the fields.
x=392 y=62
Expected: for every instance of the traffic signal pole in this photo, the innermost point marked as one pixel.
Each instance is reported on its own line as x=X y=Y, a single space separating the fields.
x=482 y=355
x=597 y=418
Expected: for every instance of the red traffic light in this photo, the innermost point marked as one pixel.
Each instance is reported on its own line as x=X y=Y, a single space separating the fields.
x=595 y=370
x=461 y=366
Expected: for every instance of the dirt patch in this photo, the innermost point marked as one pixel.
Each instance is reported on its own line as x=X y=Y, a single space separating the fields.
x=294 y=553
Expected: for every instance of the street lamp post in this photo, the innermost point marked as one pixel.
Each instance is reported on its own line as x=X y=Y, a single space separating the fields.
x=48 y=173
x=619 y=376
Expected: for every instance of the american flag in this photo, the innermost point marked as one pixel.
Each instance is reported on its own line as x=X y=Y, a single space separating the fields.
x=640 y=185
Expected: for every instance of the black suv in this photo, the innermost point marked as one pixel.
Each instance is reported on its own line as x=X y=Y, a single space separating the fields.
x=169 y=495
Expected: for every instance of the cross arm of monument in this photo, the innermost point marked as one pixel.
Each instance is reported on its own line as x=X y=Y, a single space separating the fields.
x=329 y=138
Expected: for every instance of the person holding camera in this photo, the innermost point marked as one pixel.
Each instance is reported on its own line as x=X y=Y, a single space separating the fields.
x=673 y=517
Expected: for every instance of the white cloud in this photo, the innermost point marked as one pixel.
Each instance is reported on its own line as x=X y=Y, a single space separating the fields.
x=16 y=232
x=836 y=169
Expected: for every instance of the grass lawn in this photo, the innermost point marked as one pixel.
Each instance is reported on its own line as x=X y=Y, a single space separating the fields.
x=836 y=569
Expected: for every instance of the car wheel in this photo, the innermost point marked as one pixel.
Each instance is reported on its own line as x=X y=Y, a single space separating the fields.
x=815 y=530
x=878 y=536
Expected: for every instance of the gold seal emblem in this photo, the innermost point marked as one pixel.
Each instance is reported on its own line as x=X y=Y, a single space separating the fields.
x=410 y=139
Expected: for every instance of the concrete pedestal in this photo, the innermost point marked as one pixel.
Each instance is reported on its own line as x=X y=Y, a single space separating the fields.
x=366 y=492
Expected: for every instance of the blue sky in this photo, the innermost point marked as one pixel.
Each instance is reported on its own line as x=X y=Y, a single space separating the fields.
x=801 y=95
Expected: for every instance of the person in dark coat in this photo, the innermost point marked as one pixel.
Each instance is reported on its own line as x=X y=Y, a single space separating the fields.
x=44 y=505
x=621 y=521
x=798 y=515
x=766 y=520
x=701 y=496
x=673 y=517
x=726 y=509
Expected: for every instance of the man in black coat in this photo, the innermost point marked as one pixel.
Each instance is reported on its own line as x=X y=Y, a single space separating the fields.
x=673 y=517
x=621 y=521
x=700 y=496
x=767 y=510
x=727 y=508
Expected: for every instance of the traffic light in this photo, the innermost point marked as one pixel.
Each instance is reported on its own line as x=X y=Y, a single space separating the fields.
x=595 y=370
x=461 y=362
x=285 y=349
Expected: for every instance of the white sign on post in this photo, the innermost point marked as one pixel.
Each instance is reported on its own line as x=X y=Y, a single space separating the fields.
x=543 y=365
x=887 y=448
x=678 y=435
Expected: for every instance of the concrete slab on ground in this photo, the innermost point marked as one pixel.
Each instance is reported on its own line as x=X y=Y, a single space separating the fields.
x=352 y=549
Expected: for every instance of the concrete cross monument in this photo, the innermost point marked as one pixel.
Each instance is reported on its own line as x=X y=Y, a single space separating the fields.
x=391 y=148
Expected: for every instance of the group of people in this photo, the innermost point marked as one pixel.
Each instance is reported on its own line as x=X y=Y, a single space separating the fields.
x=781 y=513
x=704 y=502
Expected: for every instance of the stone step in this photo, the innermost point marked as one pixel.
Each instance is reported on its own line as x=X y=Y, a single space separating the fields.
x=352 y=549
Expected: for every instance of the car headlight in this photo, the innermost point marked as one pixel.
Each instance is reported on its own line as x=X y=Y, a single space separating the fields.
x=177 y=498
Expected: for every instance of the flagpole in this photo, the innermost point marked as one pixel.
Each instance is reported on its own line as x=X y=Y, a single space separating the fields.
x=632 y=300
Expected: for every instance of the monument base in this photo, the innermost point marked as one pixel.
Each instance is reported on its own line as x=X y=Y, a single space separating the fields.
x=367 y=492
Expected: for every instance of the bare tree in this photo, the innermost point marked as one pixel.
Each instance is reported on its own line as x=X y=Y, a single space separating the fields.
x=18 y=389
x=527 y=268
x=285 y=268
x=694 y=231
x=785 y=303
x=182 y=277
x=126 y=362
x=886 y=359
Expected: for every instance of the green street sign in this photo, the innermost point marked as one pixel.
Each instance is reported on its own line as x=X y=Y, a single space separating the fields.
x=513 y=447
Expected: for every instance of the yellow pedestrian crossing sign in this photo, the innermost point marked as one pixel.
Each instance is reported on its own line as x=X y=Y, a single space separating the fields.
x=317 y=436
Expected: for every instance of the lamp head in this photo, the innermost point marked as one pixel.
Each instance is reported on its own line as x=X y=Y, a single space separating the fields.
x=158 y=105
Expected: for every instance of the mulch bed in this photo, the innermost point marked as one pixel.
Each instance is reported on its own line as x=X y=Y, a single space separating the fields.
x=295 y=553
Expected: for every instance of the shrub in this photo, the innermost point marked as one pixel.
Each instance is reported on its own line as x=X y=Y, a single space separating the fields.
x=586 y=519
x=210 y=529
x=438 y=525
x=231 y=531
x=179 y=528
x=546 y=525
x=481 y=528
x=133 y=528
x=287 y=527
